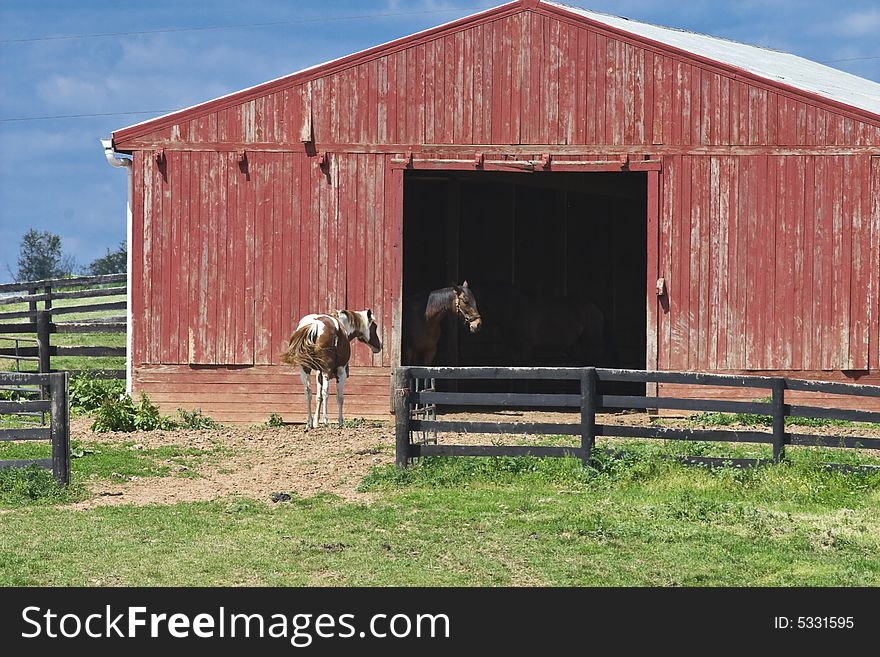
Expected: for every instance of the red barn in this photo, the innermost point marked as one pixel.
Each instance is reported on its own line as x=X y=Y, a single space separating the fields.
x=719 y=202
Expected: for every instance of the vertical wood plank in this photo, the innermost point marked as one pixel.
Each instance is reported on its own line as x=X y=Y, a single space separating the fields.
x=800 y=256
x=155 y=260
x=874 y=282
x=717 y=266
x=448 y=105
x=825 y=181
x=653 y=273
x=466 y=118
x=138 y=262
x=754 y=245
x=488 y=93
x=210 y=282
x=581 y=65
x=553 y=67
x=174 y=171
x=479 y=134
x=810 y=266
x=768 y=278
x=206 y=274
x=276 y=283
x=681 y=337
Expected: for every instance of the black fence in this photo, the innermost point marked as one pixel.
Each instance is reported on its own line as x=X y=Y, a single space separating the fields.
x=58 y=431
x=415 y=407
x=36 y=353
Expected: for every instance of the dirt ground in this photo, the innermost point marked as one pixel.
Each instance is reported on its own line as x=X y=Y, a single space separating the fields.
x=260 y=460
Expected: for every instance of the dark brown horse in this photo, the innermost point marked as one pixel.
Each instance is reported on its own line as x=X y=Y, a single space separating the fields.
x=424 y=315
x=322 y=343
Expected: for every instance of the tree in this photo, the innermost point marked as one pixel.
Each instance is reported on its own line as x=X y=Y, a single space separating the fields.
x=40 y=257
x=114 y=262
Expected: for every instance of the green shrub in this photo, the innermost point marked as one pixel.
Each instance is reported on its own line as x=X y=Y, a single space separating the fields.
x=88 y=393
x=195 y=420
x=123 y=414
x=115 y=415
x=275 y=420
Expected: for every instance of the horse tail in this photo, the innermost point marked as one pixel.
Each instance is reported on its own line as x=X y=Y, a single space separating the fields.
x=301 y=348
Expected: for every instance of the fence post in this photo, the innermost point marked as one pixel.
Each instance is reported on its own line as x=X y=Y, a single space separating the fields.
x=60 y=427
x=32 y=305
x=43 y=318
x=588 y=413
x=400 y=387
x=778 y=420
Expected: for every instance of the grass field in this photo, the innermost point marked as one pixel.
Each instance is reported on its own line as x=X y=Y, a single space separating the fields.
x=640 y=521
x=71 y=339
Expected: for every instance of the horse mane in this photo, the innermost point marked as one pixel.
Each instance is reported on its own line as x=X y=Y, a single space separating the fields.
x=439 y=301
x=354 y=319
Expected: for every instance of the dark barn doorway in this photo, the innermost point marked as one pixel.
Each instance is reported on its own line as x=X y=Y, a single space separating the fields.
x=557 y=262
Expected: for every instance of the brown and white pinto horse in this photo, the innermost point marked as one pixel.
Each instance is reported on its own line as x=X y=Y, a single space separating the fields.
x=322 y=343
x=424 y=317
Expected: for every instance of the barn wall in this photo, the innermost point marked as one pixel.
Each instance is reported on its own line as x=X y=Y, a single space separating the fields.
x=252 y=394
x=771 y=263
x=769 y=219
x=233 y=255
x=528 y=78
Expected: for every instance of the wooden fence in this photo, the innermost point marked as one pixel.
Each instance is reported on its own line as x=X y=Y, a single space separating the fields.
x=39 y=321
x=414 y=407
x=58 y=430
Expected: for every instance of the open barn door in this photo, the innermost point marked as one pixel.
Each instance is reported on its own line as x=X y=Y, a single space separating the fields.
x=575 y=242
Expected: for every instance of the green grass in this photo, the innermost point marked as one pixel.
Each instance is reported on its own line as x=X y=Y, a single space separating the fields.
x=754 y=419
x=72 y=339
x=640 y=521
x=125 y=461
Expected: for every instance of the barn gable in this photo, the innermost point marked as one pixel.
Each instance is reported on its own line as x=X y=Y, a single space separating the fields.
x=530 y=64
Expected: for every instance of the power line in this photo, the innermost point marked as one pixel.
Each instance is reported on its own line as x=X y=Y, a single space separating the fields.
x=302 y=21
x=80 y=116
x=849 y=59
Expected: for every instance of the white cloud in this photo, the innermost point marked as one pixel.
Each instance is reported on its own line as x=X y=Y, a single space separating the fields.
x=859 y=23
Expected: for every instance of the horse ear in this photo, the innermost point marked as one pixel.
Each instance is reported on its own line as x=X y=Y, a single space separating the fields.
x=464 y=284
x=369 y=315
x=457 y=287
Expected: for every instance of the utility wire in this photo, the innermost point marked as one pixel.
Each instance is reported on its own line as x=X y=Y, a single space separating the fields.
x=849 y=59
x=81 y=116
x=301 y=21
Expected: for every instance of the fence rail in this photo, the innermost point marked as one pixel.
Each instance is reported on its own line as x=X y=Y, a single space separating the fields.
x=407 y=397
x=58 y=431
x=42 y=325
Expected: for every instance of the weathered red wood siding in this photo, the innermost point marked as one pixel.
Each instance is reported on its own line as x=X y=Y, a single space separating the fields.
x=772 y=264
x=768 y=220
x=528 y=78
x=233 y=255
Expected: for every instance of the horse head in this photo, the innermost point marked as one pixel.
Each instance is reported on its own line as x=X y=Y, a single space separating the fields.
x=362 y=325
x=466 y=307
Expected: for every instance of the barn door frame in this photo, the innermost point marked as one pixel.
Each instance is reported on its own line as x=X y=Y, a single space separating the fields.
x=656 y=287
x=650 y=165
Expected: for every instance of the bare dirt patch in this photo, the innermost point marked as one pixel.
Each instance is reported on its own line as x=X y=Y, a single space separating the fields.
x=256 y=461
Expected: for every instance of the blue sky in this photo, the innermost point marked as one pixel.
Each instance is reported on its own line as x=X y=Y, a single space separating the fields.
x=53 y=175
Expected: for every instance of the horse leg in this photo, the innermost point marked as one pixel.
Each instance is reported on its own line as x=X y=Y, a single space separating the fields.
x=325 y=392
x=319 y=398
x=307 y=384
x=341 y=375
